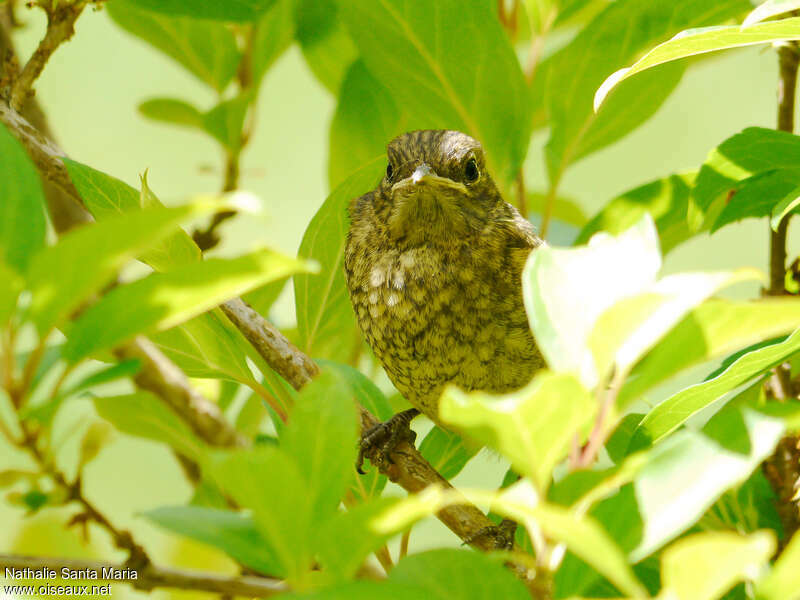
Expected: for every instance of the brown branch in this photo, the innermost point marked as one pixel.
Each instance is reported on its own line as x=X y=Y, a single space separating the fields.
x=60 y=28
x=408 y=467
x=279 y=353
x=160 y=375
x=149 y=576
x=788 y=59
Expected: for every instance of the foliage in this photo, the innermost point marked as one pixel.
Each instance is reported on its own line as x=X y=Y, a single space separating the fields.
x=616 y=492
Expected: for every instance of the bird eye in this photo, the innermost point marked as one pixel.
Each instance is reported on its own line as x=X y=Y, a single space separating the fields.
x=389 y=172
x=471 y=172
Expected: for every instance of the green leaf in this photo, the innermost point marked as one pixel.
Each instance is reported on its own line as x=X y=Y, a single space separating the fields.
x=324 y=314
x=446 y=451
x=9 y=292
x=270 y=484
x=450 y=574
x=94 y=439
x=366 y=119
x=63 y=276
x=697 y=469
x=787 y=204
x=171 y=110
x=206 y=347
x=670 y=414
x=106 y=196
x=143 y=415
x=758 y=196
x=665 y=199
x=163 y=300
x=769 y=9
x=205 y=48
x=615 y=36
x=627 y=330
x=370 y=397
x=565 y=209
x=698 y=41
x=587 y=539
x=783 y=582
x=261 y=299
x=753 y=151
x=532 y=427
x=274 y=33
x=618 y=442
x=224 y=122
x=22 y=221
x=344 y=542
x=706 y=565
x=631 y=105
x=233 y=533
x=324 y=41
x=554 y=282
x=321 y=437
x=714 y=328
x=230 y=10
x=442 y=80
x=44 y=412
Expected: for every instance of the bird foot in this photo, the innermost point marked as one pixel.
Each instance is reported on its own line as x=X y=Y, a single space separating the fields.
x=503 y=534
x=384 y=437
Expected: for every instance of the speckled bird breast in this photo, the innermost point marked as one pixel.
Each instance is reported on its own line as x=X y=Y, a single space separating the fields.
x=435 y=316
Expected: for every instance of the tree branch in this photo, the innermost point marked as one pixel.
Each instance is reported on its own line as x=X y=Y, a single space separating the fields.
x=161 y=376
x=149 y=576
x=788 y=59
x=60 y=28
x=408 y=467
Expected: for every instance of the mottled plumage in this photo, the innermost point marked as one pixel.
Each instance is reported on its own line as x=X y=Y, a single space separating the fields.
x=433 y=263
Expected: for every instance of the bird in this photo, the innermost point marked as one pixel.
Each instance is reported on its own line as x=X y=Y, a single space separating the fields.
x=433 y=264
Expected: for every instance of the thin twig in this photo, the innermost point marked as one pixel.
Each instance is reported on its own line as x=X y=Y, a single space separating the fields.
x=404 y=544
x=60 y=28
x=598 y=434
x=788 y=59
x=160 y=375
x=149 y=576
x=522 y=194
x=209 y=237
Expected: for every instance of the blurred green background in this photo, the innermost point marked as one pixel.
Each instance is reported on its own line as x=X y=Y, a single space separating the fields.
x=90 y=91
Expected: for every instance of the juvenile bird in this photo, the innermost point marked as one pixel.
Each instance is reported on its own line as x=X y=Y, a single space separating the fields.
x=433 y=263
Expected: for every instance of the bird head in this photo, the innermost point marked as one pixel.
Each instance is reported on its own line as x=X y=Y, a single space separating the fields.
x=436 y=187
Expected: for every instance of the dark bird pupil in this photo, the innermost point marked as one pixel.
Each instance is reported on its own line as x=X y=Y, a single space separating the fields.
x=389 y=171
x=471 y=170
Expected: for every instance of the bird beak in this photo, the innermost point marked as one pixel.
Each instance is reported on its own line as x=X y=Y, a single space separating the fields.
x=425 y=177
x=420 y=172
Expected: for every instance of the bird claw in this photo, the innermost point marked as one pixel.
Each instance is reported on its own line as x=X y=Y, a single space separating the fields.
x=503 y=534
x=384 y=437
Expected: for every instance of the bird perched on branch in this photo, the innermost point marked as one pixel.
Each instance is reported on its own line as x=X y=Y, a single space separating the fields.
x=433 y=263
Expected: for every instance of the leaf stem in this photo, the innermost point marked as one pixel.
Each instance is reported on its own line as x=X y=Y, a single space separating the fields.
x=522 y=194
x=268 y=398
x=404 y=543
x=598 y=434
